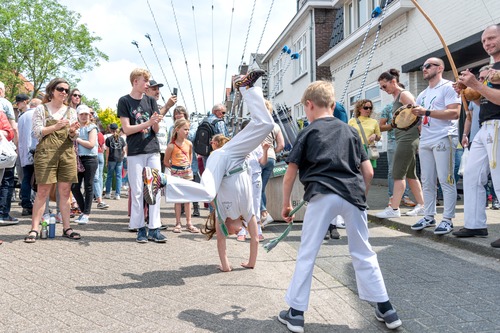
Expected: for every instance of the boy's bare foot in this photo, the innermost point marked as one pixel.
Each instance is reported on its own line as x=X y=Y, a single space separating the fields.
x=222 y=269
x=246 y=265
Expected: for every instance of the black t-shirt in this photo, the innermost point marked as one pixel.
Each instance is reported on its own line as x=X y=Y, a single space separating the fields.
x=488 y=110
x=138 y=112
x=329 y=153
x=115 y=147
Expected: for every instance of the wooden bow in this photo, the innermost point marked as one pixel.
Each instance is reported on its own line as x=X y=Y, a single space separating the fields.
x=446 y=50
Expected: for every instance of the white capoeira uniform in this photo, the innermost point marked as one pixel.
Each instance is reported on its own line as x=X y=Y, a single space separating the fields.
x=438 y=144
x=233 y=190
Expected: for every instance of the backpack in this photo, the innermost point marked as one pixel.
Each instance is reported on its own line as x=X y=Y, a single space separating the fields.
x=203 y=136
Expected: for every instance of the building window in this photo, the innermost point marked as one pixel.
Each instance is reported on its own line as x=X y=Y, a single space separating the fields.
x=298 y=111
x=300 y=47
x=358 y=13
x=277 y=78
x=371 y=92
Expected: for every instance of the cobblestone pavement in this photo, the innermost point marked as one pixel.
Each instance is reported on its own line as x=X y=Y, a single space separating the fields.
x=107 y=282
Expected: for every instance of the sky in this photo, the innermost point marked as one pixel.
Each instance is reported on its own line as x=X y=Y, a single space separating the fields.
x=120 y=22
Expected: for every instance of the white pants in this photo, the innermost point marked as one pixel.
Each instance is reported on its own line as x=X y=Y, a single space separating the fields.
x=437 y=161
x=318 y=215
x=222 y=160
x=135 y=165
x=484 y=150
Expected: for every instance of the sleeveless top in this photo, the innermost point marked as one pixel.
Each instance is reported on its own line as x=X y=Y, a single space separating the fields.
x=401 y=135
x=180 y=155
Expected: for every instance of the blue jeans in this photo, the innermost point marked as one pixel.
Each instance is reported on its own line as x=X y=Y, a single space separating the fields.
x=99 y=176
x=391 y=149
x=114 y=168
x=28 y=171
x=267 y=171
x=6 y=190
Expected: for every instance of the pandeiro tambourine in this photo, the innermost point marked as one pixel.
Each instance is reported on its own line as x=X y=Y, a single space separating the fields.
x=403 y=118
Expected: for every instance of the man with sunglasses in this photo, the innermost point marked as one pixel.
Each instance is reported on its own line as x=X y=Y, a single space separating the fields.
x=439 y=106
x=485 y=147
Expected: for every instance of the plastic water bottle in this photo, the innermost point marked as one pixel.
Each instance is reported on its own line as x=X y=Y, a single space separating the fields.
x=52 y=226
x=44 y=233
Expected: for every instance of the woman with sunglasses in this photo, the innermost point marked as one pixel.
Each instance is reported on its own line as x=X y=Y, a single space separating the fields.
x=362 y=117
x=74 y=98
x=55 y=125
x=404 y=163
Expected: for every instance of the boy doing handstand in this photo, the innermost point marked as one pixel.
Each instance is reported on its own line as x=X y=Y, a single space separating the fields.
x=225 y=175
x=334 y=168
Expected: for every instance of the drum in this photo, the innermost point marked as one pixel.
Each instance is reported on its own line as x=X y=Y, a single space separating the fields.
x=471 y=95
x=404 y=119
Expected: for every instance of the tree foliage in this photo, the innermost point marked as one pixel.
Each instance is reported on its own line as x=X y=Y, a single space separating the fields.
x=107 y=117
x=43 y=39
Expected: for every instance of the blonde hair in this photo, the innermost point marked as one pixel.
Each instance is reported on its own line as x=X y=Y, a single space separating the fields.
x=269 y=106
x=179 y=123
x=359 y=104
x=209 y=229
x=137 y=73
x=320 y=93
x=220 y=140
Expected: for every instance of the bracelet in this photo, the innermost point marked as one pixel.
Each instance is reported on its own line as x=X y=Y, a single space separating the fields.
x=427 y=113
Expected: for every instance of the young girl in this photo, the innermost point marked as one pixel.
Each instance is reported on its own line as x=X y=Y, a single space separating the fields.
x=178 y=159
x=115 y=153
x=225 y=175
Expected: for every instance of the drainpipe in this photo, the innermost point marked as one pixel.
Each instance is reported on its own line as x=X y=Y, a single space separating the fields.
x=312 y=43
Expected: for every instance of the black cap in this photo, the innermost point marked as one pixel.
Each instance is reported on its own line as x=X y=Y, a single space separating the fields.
x=153 y=83
x=113 y=126
x=22 y=98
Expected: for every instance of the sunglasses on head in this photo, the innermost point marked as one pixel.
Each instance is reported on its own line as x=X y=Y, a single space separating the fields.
x=77 y=95
x=61 y=89
x=368 y=107
x=427 y=66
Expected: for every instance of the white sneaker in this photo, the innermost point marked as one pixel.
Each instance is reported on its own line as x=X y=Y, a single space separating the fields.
x=340 y=222
x=417 y=211
x=117 y=197
x=107 y=196
x=267 y=220
x=388 y=212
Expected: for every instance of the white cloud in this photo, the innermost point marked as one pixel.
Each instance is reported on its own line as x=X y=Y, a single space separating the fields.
x=118 y=23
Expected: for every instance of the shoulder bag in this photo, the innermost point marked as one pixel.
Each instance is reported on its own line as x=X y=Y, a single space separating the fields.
x=372 y=150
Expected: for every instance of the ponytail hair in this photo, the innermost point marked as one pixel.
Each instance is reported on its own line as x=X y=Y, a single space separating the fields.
x=390 y=75
x=209 y=229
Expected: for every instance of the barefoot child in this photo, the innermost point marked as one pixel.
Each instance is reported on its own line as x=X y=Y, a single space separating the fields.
x=225 y=175
x=334 y=169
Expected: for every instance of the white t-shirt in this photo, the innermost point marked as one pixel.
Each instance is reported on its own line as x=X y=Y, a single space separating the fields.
x=438 y=98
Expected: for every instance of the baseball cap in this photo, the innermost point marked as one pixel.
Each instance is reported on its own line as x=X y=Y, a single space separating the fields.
x=113 y=126
x=82 y=109
x=22 y=98
x=153 y=83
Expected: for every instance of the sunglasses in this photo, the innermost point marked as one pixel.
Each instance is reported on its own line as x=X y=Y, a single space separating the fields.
x=61 y=89
x=367 y=107
x=427 y=66
x=77 y=95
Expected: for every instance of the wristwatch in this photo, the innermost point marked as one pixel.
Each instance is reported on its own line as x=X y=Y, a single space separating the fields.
x=428 y=113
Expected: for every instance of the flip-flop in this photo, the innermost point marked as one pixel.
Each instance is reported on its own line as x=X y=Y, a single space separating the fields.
x=192 y=229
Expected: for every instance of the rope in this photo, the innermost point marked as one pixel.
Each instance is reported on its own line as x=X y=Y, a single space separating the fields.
x=272 y=244
x=248 y=32
x=374 y=46
x=213 y=69
x=165 y=47
x=284 y=50
x=356 y=59
x=148 y=36
x=228 y=48
x=184 y=54
x=263 y=30
x=138 y=49
x=199 y=60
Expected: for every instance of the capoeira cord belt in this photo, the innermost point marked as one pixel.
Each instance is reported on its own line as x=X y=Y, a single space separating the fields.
x=233 y=171
x=272 y=244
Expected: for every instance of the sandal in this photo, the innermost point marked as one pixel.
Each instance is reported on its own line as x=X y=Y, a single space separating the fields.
x=72 y=235
x=177 y=229
x=31 y=238
x=192 y=229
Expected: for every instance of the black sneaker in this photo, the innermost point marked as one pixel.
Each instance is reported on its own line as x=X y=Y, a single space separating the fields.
x=248 y=80
x=327 y=236
x=464 y=232
x=293 y=323
x=334 y=234
x=27 y=212
x=495 y=205
x=496 y=243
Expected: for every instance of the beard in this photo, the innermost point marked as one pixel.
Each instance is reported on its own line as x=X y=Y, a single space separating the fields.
x=430 y=76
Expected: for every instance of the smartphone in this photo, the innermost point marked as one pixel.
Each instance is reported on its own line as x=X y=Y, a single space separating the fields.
x=174 y=92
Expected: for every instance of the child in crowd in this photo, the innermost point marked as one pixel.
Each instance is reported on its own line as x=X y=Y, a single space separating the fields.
x=334 y=168
x=256 y=159
x=177 y=158
x=225 y=175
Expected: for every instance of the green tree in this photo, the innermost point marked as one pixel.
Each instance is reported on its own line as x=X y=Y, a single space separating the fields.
x=107 y=117
x=43 y=39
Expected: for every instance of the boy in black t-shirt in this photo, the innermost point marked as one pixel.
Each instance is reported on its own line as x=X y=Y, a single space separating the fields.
x=140 y=122
x=334 y=169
